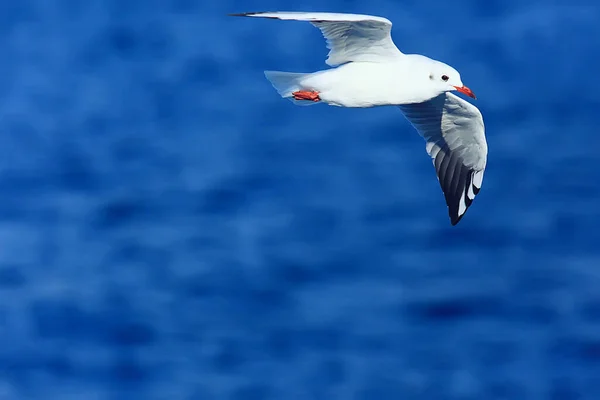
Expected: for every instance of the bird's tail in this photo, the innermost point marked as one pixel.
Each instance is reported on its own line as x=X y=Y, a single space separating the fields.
x=287 y=83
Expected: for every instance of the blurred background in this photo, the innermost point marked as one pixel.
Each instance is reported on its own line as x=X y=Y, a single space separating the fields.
x=170 y=228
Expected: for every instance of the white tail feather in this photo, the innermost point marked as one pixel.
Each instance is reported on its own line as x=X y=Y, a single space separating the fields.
x=287 y=83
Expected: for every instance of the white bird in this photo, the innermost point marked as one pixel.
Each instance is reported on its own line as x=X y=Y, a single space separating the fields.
x=371 y=71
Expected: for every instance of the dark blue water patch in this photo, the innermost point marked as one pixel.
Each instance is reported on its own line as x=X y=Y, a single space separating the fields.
x=24 y=133
x=64 y=319
x=376 y=344
x=566 y=227
x=22 y=367
x=121 y=372
x=58 y=365
x=213 y=243
x=73 y=10
x=590 y=311
x=536 y=279
x=124 y=328
x=242 y=294
x=31 y=209
x=291 y=272
x=251 y=50
x=158 y=41
x=14 y=14
x=455 y=309
x=124 y=211
x=127 y=370
x=197 y=287
x=223 y=198
x=203 y=73
x=75 y=171
x=60 y=319
x=125 y=42
x=130 y=334
x=505 y=67
x=268 y=299
x=122 y=41
x=351 y=261
x=184 y=6
x=537 y=313
x=133 y=9
x=24 y=184
x=589 y=387
x=12 y=277
x=393 y=133
x=315 y=224
x=282 y=344
x=589 y=349
x=304 y=151
x=255 y=391
x=329 y=371
x=564 y=389
x=259 y=182
x=326 y=339
x=385 y=216
x=558 y=113
x=506 y=390
x=482 y=238
x=573 y=233
x=155 y=261
x=495 y=353
x=97 y=125
x=287 y=343
x=131 y=149
x=493 y=9
x=428 y=350
x=383 y=386
x=581 y=181
x=229 y=357
x=576 y=349
x=166 y=104
x=93 y=55
x=497 y=117
x=129 y=251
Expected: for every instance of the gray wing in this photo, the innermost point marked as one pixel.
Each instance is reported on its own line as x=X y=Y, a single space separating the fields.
x=350 y=37
x=455 y=139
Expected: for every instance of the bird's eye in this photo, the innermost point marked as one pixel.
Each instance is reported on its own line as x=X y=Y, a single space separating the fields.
x=445 y=78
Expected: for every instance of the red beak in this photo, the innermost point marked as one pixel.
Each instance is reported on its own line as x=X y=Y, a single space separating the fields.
x=466 y=91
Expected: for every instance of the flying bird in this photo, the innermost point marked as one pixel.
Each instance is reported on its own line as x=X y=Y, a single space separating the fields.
x=368 y=70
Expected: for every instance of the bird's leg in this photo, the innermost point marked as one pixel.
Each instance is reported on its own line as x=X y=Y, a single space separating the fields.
x=310 y=95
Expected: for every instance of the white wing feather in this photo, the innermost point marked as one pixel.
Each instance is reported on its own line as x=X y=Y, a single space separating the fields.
x=350 y=37
x=455 y=139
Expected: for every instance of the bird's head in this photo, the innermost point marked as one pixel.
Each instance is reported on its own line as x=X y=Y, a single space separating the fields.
x=446 y=79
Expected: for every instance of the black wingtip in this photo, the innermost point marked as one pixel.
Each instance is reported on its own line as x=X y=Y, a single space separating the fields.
x=454 y=220
x=247 y=14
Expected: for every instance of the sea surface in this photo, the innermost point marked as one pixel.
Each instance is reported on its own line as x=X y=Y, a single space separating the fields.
x=170 y=228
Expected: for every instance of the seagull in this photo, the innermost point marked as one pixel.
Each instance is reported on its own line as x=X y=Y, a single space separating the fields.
x=368 y=70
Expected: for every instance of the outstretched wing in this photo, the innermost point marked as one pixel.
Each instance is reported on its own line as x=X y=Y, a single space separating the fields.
x=455 y=135
x=350 y=37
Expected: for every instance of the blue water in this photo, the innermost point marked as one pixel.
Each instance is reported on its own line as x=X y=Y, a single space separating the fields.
x=170 y=228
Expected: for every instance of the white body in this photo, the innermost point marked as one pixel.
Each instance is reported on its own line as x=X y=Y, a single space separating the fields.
x=372 y=71
x=369 y=84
